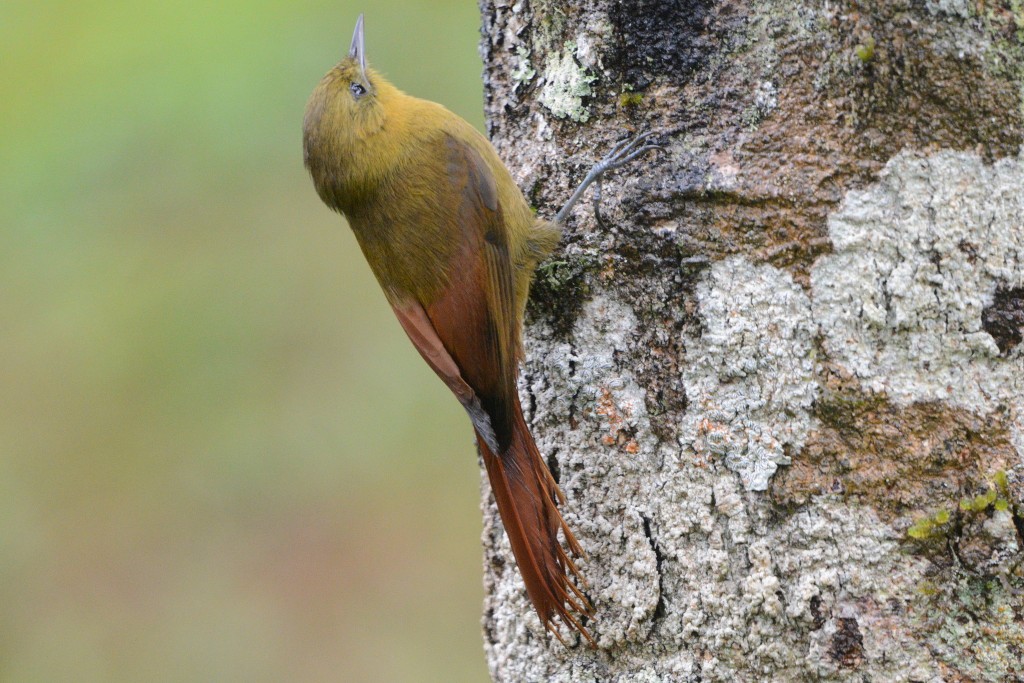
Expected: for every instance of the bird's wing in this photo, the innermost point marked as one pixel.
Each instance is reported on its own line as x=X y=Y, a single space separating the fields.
x=420 y=330
x=468 y=334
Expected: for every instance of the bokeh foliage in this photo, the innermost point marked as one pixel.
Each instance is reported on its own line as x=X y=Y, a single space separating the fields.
x=219 y=457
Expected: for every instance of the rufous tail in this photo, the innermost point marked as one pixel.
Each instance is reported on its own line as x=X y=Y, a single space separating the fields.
x=527 y=497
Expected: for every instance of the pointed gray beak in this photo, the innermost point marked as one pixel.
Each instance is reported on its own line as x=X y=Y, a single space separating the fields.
x=358 y=47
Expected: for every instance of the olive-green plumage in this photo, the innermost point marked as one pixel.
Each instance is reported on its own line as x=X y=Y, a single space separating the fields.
x=454 y=245
x=380 y=160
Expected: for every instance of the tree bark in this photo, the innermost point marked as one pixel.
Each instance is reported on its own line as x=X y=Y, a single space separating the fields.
x=782 y=386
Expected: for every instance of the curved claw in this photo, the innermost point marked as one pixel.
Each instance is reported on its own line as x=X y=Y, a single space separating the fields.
x=624 y=146
x=627 y=155
x=630 y=142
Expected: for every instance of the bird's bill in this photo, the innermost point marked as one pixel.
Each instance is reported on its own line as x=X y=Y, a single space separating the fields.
x=358 y=47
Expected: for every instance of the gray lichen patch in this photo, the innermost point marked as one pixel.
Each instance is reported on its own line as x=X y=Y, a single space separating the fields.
x=612 y=410
x=523 y=72
x=844 y=586
x=974 y=626
x=918 y=258
x=958 y=8
x=750 y=377
x=764 y=102
x=581 y=390
x=732 y=593
x=566 y=83
x=605 y=394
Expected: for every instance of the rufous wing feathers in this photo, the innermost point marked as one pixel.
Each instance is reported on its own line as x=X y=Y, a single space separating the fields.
x=468 y=336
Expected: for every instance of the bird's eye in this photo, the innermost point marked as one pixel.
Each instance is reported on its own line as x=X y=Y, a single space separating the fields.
x=357 y=90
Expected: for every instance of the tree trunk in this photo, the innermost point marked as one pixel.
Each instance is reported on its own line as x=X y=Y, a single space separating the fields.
x=782 y=386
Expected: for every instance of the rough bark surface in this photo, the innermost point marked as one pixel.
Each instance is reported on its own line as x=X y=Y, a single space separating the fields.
x=782 y=385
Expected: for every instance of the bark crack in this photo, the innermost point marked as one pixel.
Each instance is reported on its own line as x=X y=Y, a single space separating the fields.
x=659 y=560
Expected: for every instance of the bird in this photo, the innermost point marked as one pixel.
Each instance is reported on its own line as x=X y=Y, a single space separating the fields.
x=454 y=244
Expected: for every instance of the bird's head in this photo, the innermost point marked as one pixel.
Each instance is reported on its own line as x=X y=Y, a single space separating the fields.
x=343 y=115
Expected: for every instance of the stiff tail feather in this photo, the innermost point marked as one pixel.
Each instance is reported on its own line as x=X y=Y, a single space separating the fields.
x=526 y=494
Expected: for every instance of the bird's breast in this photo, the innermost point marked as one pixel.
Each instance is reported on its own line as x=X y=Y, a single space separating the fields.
x=407 y=240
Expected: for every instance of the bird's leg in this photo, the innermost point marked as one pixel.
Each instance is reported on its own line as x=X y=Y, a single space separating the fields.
x=621 y=154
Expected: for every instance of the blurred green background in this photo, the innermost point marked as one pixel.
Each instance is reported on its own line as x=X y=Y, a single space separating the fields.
x=220 y=459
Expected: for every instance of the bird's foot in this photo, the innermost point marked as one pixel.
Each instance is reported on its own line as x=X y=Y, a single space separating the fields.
x=621 y=154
